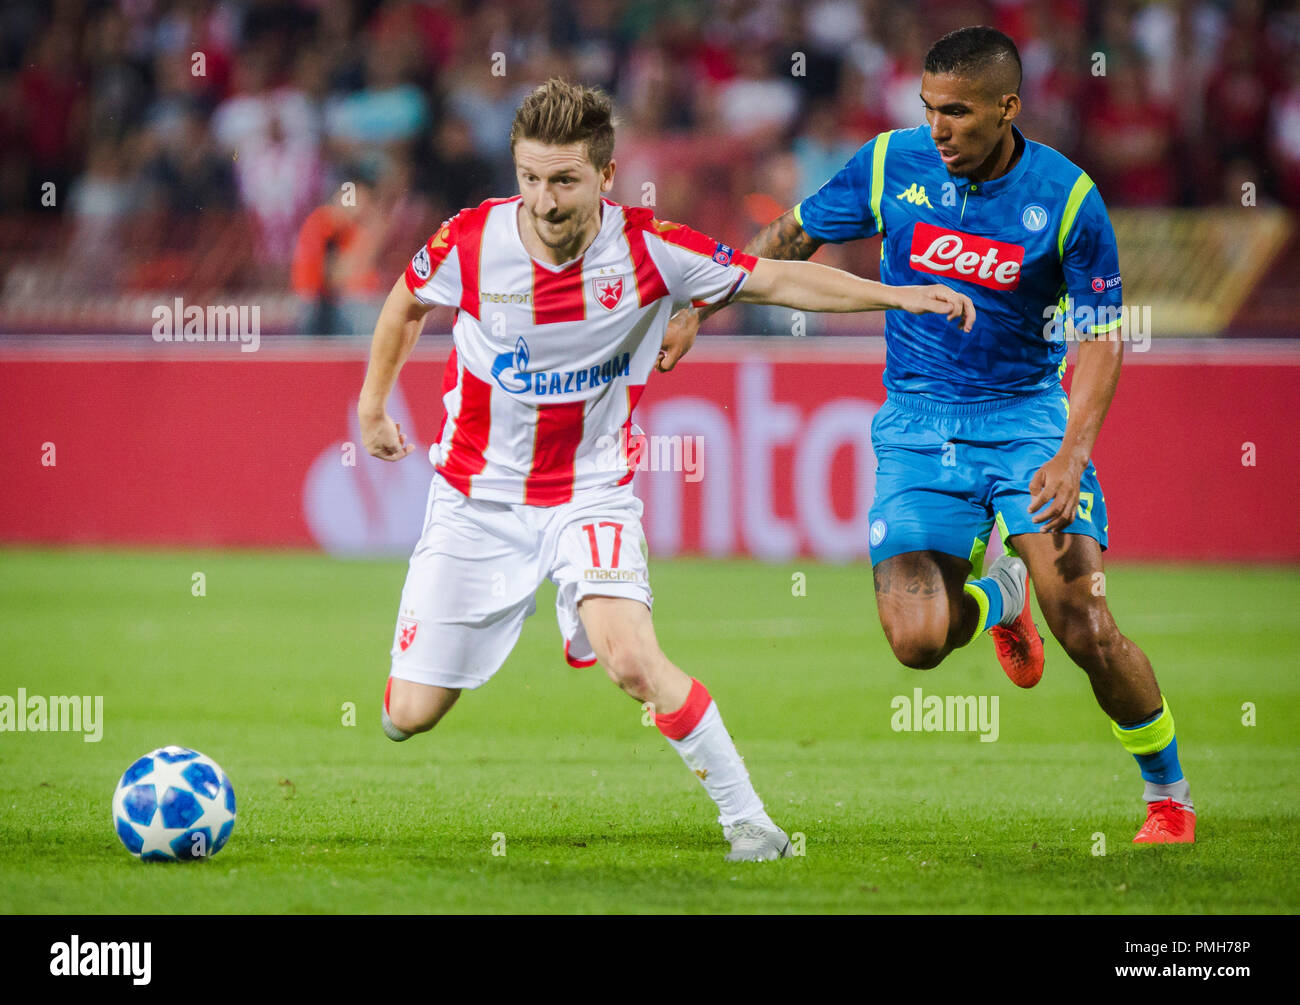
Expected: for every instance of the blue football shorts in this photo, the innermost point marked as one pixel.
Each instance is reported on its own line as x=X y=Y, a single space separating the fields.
x=946 y=474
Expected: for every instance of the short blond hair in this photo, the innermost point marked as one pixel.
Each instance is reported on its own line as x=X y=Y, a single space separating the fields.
x=559 y=113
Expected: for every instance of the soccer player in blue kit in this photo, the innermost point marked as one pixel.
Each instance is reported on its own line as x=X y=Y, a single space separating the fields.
x=977 y=431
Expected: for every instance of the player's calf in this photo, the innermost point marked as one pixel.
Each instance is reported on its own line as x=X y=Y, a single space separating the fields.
x=1118 y=670
x=411 y=708
x=641 y=670
x=622 y=636
x=1065 y=568
x=623 y=639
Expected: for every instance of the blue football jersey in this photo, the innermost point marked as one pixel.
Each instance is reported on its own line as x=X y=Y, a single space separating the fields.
x=1034 y=250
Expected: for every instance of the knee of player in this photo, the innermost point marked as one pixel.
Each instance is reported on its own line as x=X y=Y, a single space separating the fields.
x=1089 y=638
x=919 y=650
x=918 y=646
x=922 y=656
x=408 y=717
x=631 y=664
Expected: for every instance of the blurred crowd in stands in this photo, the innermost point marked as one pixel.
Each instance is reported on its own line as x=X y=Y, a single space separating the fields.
x=730 y=111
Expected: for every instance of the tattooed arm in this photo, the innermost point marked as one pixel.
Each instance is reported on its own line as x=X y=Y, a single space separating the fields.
x=782 y=239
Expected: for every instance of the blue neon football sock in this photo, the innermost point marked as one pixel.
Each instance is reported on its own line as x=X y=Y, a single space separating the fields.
x=992 y=608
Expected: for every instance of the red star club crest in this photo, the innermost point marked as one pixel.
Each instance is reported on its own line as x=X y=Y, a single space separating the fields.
x=608 y=291
x=406 y=632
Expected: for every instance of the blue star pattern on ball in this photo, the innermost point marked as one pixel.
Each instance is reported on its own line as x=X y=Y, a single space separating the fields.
x=174 y=804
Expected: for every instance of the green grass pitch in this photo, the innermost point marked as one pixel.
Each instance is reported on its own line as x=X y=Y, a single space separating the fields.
x=598 y=814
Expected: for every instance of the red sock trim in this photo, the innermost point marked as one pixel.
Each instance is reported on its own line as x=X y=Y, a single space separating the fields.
x=387 y=691
x=680 y=724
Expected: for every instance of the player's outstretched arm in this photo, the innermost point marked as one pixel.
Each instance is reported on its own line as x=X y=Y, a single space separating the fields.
x=807 y=286
x=784 y=238
x=396 y=333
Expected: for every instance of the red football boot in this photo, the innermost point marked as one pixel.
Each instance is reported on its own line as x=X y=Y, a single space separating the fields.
x=1168 y=822
x=1020 y=648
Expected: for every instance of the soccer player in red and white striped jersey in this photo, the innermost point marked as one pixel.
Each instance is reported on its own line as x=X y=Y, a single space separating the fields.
x=563 y=299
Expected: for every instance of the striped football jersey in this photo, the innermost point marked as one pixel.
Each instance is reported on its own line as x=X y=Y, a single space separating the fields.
x=549 y=361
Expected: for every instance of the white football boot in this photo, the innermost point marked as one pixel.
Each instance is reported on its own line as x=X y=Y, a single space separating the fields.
x=751 y=842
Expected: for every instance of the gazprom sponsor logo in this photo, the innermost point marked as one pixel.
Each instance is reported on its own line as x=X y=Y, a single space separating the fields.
x=513 y=376
x=509 y=369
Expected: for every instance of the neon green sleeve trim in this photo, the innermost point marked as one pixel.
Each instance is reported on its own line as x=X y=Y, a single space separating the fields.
x=1148 y=739
x=878 y=178
x=1082 y=186
x=798 y=214
x=1103 y=329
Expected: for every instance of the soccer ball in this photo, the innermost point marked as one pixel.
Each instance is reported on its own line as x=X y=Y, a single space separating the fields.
x=172 y=805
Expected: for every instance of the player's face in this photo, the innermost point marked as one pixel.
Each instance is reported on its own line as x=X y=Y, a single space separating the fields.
x=561 y=189
x=966 y=120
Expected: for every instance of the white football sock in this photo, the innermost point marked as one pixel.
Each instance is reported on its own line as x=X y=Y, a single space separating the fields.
x=709 y=752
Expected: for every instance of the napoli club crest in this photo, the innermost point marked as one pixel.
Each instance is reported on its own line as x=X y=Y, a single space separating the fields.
x=1034 y=218
x=406 y=628
x=608 y=292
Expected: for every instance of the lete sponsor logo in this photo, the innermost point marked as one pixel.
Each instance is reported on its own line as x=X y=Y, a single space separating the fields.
x=964 y=256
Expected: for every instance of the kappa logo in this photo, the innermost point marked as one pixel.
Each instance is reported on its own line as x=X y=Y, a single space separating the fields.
x=406 y=629
x=608 y=292
x=915 y=194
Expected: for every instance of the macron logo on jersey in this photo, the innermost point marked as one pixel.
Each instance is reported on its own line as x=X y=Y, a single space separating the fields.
x=940 y=252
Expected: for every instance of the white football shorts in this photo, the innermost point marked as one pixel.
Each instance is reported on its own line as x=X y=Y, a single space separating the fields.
x=475 y=571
